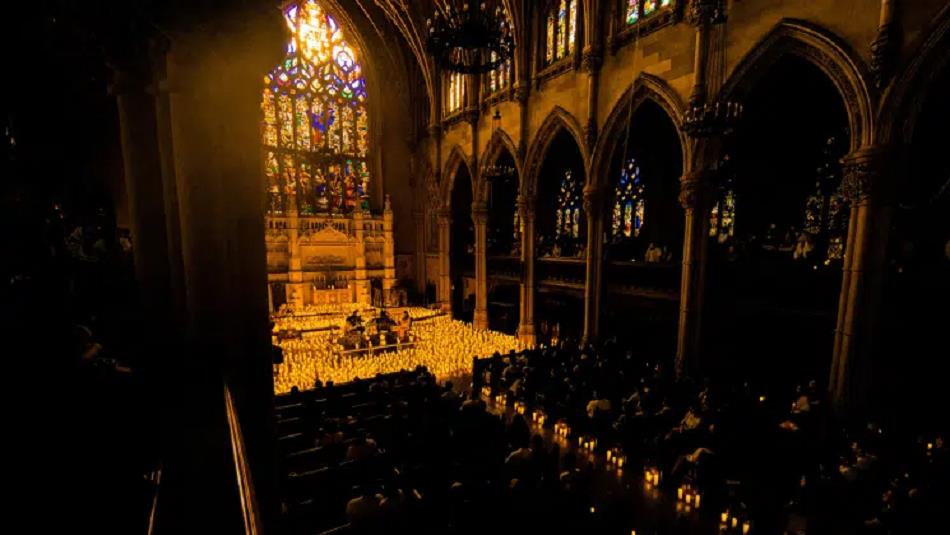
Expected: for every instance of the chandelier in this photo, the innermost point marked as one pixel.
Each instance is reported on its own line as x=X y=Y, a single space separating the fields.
x=469 y=36
x=706 y=120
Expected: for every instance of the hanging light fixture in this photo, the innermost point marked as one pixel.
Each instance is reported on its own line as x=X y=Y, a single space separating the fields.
x=470 y=36
x=712 y=119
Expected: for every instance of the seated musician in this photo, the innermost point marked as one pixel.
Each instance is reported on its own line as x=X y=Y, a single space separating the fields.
x=404 y=326
x=353 y=323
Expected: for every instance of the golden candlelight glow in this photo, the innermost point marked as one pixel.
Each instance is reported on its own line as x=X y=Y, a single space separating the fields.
x=443 y=345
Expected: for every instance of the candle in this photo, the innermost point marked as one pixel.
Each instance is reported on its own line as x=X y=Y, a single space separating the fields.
x=724 y=517
x=679 y=493
x=697 y=500
x=609 y=455
x=689 y=499
x=746 y=527
x=735 y=521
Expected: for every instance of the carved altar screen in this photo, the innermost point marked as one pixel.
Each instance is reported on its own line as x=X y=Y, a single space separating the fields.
x=315 y=124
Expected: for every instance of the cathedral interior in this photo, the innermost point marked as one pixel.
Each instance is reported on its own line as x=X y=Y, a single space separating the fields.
x=478 y=266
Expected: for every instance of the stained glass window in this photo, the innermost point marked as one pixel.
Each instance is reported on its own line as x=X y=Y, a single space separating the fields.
x=637 y=10
x=722 y=216
x=629 y=203
x=567 y=218
x=561 y=30
x=500 y=78
x=826 y=212
x=315 y=123
x=456 y=92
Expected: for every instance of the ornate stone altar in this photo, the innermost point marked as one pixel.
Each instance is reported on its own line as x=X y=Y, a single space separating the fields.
x=329 y=258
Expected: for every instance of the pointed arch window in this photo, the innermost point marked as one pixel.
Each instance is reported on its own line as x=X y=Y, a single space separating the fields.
x=315 y=119
x=629 y=206
x=638 y=10
x=569 y=212
x=455 y=93
x=561 y=30
x=500 y=78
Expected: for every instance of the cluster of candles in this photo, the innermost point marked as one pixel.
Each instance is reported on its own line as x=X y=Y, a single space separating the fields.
x=651 y=477
x=538 y=417
x=587 y=443
x=733 y=523
x=501 y=399
x=520 y=407
x=616 y=458
x=561 y=429
x=687 y=497
x=486 y=393
x=444 y=346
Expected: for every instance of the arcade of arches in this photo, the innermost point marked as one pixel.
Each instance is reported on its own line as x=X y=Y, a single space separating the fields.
x=563 y=196
x=733 y=192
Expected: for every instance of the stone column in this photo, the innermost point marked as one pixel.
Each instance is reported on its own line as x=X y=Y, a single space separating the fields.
x=693 y=193
x=361 y=281
x=593 y=206
x=865 y=256
x=143 y=179
x=419 y=220
x=526 y=326
x=389 y=251
x=445 y=279
x=480 y=218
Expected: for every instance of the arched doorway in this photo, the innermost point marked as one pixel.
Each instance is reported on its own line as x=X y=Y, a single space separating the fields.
x=561 y=229
x=462 y=246
x=644 y=231
x=777 y=229
x=503 y=243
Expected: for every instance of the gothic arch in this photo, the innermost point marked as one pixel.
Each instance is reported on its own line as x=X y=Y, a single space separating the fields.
x=500 y=140
x=455 y=161
x=826 y=51
x=645 y=87
x=903 y=101
x=558 y=119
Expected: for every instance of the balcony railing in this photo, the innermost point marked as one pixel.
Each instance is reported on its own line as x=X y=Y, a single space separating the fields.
x=507 y=267
x=561 y=271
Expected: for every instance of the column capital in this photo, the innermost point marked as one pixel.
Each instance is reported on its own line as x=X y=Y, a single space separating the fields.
x=593 y=197
x=480 y=212
x=693 y=188
x=705 y=12
x=520 y=93
x=591 y=60
x=861 y=174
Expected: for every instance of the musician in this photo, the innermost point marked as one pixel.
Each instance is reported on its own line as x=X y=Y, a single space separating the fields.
x=405 y=325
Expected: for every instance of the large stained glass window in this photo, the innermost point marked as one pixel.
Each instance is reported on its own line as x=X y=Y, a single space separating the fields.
x=629 y=204
x=500 y=78
x=315 y=127
x=455 y=93
x=637 y=10
x=826 y=212
x=722 y=215
x=567 y=217
x=561 y=26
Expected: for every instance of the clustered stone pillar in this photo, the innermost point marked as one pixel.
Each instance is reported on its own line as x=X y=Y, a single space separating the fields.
x=480 y=218
x=526 y=328
x=419 y=220
x=693 y=192
x=593 y=205
x=142 y=169
x=858 y=304
x=361 y=281
x=445 y=280
x=389 y=251
x=295 y=285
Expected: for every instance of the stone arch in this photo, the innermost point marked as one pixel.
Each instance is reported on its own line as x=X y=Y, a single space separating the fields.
x=645 y=87
x=902 y=103
x=558 y=119
x=825 y=50
x=455 y=161
x=500 y=140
